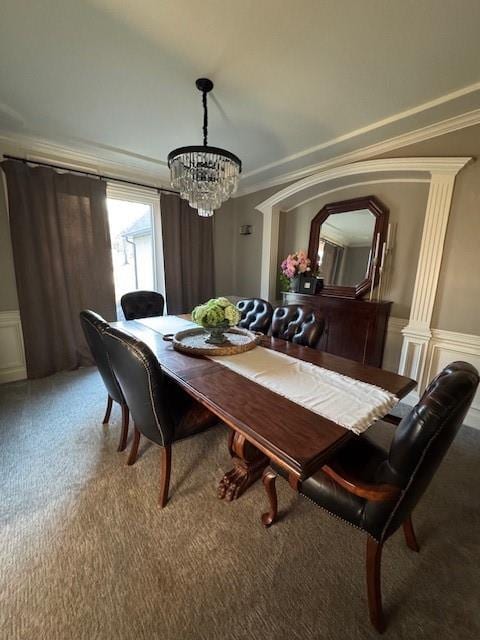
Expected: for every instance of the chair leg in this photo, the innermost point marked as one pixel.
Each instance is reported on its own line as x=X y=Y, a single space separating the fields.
x=124 y=433
x=374 y=588
x=410 y=536
x=268 y=478
x=108 y=410
x=134 y=450
x=165 y=468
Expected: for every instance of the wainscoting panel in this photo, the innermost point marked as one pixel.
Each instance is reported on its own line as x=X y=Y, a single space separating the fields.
x=446 y=347
x=12 y=355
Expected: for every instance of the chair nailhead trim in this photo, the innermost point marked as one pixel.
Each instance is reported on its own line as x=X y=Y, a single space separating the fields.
x=334 y=515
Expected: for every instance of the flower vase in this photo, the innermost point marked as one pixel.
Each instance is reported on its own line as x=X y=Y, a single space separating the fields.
x=217 y=334
x=295 y=284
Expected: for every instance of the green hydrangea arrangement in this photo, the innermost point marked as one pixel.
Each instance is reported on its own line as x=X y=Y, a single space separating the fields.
x=216 y=312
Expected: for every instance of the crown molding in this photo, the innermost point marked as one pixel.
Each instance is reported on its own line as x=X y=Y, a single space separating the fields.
x=120 y=164
x=428 y=132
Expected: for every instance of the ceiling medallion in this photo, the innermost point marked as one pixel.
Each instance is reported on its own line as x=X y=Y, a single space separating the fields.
x=205 y=176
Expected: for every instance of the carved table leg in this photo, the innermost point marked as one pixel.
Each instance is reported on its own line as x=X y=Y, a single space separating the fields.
x=268 y=478
x=249 y=464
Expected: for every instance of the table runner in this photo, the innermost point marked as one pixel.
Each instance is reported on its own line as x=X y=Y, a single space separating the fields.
x=350 y=403
x=353 y=404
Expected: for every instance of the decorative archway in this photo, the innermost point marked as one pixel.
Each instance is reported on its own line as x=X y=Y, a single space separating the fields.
x=440 y=173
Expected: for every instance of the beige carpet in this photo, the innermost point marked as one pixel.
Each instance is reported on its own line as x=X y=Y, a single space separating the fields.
x=85 y=552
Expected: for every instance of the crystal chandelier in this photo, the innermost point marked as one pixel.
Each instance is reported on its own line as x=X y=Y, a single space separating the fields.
x=205 y=176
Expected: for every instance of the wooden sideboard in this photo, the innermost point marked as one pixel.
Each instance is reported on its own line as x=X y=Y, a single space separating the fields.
x=354 y=328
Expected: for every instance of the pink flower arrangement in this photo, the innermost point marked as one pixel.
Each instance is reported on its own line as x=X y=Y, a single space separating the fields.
x=295 y=264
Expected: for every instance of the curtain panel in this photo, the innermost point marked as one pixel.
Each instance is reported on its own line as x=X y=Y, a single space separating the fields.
x=188 y=255
x=63 y=262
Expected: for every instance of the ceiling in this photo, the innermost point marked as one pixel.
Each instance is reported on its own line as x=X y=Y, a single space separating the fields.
x=296 y=81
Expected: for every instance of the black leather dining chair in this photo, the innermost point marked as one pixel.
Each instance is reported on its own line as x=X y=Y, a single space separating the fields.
x=297 y=323
x=142 y=304
x=256 y=314
x=375 y=490
x=161 y=410
x=93 y=327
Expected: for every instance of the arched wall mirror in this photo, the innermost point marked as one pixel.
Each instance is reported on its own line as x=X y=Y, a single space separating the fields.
x=344 y=237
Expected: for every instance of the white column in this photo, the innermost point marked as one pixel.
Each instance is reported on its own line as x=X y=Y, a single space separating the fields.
x=417 y=334
x=271 y=216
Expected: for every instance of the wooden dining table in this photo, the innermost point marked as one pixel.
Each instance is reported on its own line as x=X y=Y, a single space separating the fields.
x=263 y=425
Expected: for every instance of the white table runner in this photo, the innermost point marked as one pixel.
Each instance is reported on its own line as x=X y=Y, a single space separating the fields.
x=348 y=402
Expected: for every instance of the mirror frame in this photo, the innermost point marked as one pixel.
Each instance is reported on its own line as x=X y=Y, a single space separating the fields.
x=379 y=210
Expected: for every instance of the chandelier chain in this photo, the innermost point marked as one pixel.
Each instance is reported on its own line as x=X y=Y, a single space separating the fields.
x=205 y=118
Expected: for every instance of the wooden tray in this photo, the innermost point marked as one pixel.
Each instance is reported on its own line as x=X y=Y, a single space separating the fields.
x=192 y=341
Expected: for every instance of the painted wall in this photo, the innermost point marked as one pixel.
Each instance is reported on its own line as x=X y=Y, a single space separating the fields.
x=237 y=254
x=225 y=263
x=457 y=306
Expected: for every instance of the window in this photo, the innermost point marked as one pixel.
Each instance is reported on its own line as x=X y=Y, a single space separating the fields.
x=135 y=233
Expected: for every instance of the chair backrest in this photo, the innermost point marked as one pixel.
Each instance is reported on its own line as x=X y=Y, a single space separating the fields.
x=256 y=314
x=142 y=304
x=424 y=436
x=141 y=379
x=299 y=324
x=94 y=326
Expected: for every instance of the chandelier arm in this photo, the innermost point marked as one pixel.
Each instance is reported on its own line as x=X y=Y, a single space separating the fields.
x=205 y=118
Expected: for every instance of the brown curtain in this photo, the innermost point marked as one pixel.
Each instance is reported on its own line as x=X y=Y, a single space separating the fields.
x=63 y=262
x=188 y=255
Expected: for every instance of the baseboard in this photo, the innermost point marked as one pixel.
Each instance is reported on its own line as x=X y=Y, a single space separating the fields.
x=12 y=354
